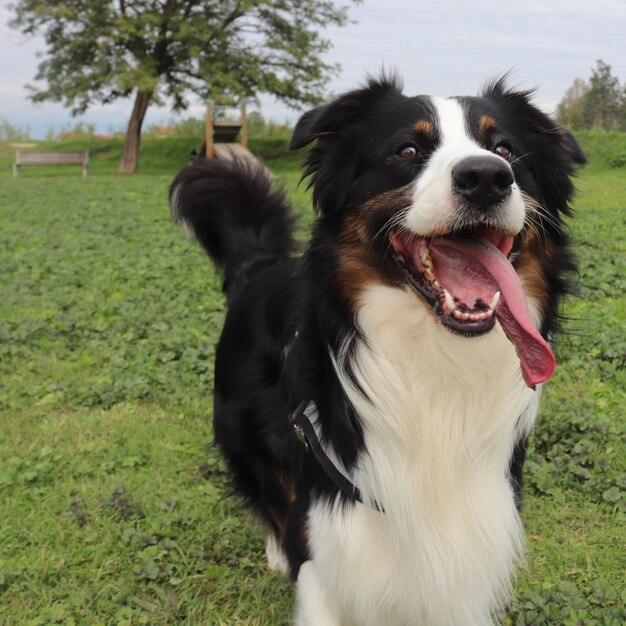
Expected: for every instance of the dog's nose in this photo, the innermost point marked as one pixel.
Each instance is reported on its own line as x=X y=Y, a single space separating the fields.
x=482 y=180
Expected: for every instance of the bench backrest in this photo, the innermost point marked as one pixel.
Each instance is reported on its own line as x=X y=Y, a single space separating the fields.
x=67 y=157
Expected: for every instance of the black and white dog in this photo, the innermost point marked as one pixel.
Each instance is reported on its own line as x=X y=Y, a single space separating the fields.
x=373 y=397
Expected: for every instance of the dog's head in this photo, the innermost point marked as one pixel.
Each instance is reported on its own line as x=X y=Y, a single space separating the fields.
x=459 y=199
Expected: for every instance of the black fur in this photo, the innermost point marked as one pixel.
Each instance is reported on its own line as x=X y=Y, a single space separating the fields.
x=233 y=211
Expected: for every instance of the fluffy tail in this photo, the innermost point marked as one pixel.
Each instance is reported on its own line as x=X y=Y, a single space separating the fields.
x=232 y=210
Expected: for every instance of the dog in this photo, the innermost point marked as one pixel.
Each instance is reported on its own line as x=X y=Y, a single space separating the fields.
x=374 y=396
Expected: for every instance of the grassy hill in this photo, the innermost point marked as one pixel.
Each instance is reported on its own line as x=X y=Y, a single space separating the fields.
x=604 y=150
x=116 y=508
x=157 y=155
x=168 y=154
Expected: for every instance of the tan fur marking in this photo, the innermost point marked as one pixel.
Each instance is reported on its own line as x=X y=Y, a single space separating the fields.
x=356 y=273
x=362 y=225
x=486 y=124
x=355 y=230
x=290 y=488
x=358 y=265
x=277 y=516
x=424 y=127
x=528 y=266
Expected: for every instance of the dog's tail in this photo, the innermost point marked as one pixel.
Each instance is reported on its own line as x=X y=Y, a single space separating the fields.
x=232 y=210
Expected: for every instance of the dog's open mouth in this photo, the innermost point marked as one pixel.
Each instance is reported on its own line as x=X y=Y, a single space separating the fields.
x=470 y=283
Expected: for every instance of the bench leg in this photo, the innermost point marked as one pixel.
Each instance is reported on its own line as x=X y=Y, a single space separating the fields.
x=16 y=169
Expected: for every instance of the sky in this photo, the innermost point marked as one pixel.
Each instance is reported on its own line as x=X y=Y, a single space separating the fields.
x=439 y=47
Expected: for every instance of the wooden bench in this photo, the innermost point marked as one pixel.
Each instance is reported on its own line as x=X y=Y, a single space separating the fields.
x=51 y=157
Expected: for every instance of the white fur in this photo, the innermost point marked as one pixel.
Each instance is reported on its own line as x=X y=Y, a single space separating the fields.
x=313 y=608
x=435 y=207
x=276 y=558
x=181 y=221
x=440 y=420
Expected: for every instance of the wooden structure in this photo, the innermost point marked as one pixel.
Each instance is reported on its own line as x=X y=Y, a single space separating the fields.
x=221 y=130
x=221 y=137
x=51 y=157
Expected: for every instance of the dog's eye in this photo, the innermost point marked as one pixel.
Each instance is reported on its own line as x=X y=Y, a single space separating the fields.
x=504 y=150
x=408 y=152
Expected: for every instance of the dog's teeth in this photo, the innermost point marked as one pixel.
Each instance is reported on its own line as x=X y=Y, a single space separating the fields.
x=429 y=274
x=449 y=300
x=493 y=303
x=464 y=316
x=427 y=262
x=436 y=284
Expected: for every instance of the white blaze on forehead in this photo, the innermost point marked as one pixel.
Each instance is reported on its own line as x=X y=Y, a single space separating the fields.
x=452 y=124
x=435 y=206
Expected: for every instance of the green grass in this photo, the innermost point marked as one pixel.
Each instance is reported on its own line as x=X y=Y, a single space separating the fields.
x=115 y=506
x=156 y=156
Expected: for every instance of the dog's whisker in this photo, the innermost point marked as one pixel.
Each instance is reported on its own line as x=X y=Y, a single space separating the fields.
x=540 y=211
x=519 y=158
x=393 y=222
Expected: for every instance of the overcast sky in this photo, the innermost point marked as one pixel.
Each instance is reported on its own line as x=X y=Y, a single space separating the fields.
x=440 y=47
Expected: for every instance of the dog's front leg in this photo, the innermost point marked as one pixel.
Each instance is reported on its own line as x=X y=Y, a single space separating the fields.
x=312 y=605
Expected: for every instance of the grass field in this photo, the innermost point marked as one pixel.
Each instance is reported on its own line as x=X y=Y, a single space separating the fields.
x=115 y=507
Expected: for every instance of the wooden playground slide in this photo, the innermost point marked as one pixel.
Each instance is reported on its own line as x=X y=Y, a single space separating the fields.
x=221 y=139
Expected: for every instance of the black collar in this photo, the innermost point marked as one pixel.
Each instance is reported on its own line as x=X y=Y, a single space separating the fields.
x=303 y=427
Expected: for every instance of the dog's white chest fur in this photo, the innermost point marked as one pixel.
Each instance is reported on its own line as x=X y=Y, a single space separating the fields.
x=441 y=417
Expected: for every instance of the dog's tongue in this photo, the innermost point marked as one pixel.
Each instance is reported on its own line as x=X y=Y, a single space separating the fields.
x=472 y=269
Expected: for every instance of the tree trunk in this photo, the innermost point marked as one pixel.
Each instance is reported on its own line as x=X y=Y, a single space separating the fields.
x=130 y=153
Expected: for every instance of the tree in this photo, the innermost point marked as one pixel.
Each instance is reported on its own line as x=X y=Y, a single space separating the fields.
x=8 y=132
x=622 y=111
x=161 y=50
x=598 y=103
x=603 y=99
x=571 y=109
x=256 y=124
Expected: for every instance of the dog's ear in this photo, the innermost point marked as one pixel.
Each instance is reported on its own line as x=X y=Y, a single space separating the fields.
x=331 y=164
x=571 y=144
x=328 y=119
x=564 y=139
x=309 y=127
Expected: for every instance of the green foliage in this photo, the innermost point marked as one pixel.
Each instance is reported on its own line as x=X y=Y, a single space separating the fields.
x=80 y=130
x=598 y=104
x=563 y=604
x=571 y=108
x=603 y=101
x=116 y=507
x=100 y=50
x=258 y=126
x=187 y=127
x=604 y=150
x=8 y=132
